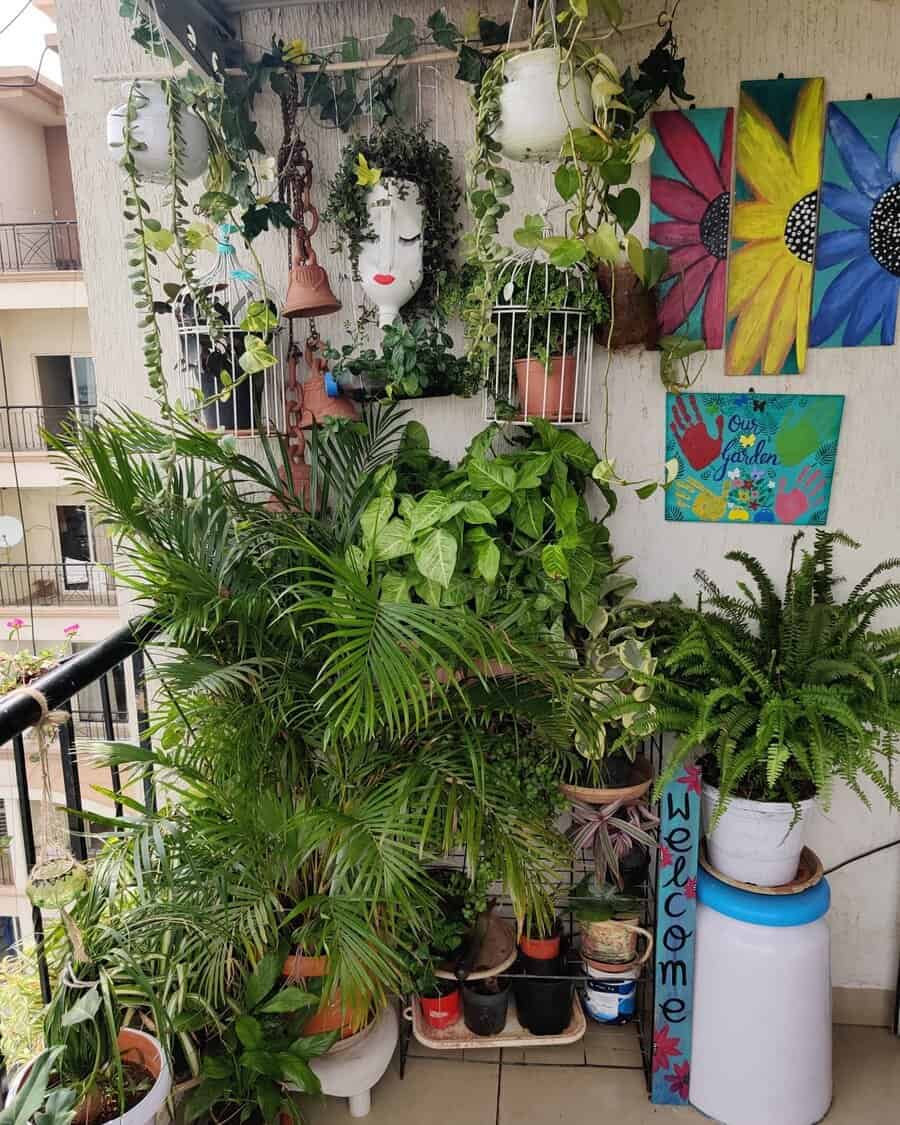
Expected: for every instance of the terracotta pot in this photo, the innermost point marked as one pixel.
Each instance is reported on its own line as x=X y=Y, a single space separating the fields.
x=634 y=310
x=547 y=392
x=442 y=1008
x=642 y=780
x=297 y=966
x=615 y=941
x=329 y=1017
x=541 y=949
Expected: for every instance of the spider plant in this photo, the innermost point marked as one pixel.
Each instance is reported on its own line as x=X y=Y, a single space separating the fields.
x=610 y=832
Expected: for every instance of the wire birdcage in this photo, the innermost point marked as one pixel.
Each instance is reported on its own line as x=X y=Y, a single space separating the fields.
x=544 y=344
x=209 y=364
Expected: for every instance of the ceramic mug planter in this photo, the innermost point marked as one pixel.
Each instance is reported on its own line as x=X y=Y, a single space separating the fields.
x=135 y=1047
x=541 y=99
x=615 y=941
x=547 y=392
x=755 y=841
x=151 y=130
x=441 y=1007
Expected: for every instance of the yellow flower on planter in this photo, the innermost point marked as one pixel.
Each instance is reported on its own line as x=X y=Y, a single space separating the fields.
x=748 y=440
x=296 y=52
x=771 y=274
x=365 y=176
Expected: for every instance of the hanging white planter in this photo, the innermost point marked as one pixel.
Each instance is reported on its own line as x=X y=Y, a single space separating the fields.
x=755 y=841
x=151 y=129
x=541 y=100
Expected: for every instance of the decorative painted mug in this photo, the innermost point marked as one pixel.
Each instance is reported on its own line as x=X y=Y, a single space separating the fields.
x=615 y=941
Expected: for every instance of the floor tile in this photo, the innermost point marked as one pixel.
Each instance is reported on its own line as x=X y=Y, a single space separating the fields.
x=432 y=1090
x=606 y=1045
x=866 y=1076
x=569 y=1054
x=566 y=1094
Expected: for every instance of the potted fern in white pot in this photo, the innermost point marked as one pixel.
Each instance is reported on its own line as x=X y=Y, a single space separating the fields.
x=781 y=696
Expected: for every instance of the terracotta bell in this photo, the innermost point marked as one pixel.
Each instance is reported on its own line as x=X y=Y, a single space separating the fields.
x=309 y=290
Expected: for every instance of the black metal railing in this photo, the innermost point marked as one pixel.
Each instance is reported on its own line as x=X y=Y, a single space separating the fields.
x=70 y=583
x=35 y=247
x=22 y=427
x=6 y=867
x=60 y=688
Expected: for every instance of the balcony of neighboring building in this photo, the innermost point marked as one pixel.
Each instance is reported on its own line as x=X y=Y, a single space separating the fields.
x=40 y=251
x=47 y=395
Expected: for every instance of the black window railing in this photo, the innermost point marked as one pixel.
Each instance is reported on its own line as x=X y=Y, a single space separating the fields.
x=71 y=583
x=60 y=688
x=35 y=247
x=22 y=427
x=6 y=866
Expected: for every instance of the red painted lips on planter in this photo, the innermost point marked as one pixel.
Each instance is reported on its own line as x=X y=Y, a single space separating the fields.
x=384 y=278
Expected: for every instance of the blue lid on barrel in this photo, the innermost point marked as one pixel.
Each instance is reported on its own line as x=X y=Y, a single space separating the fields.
x=763 y=909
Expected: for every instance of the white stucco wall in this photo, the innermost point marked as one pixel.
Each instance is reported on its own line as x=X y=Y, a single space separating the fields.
x=855 y=47
x=25 y=185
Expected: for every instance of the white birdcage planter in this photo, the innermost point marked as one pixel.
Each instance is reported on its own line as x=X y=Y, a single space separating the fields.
x=209 y=355
x=542 y=361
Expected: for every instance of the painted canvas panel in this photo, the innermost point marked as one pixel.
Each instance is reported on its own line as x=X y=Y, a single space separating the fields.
x=778 y=161
x=858 y=250
x=752 y=458
x=690 y=196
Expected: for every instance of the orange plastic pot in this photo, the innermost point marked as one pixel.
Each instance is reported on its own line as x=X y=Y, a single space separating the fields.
x=297 y=966
x=541 y=949
x=443 y=1008
x=547 y=392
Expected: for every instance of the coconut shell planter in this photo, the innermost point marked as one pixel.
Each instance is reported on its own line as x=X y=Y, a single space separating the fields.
x=634 y=309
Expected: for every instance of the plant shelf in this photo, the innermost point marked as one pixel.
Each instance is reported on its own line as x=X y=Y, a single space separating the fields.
x=458 y=1037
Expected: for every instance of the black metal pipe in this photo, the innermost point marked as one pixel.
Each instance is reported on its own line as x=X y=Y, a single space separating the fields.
x=143 y=724
x=110 y=733
x=72 y=787
x=18 y=711
x=27 y=824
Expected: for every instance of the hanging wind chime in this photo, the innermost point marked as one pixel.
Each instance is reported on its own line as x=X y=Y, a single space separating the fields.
x=309 y=295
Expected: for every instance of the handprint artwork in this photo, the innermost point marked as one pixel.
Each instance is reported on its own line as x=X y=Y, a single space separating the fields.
x=749 y=458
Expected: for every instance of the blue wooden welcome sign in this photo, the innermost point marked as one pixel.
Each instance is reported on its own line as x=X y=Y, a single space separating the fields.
x=676 y=917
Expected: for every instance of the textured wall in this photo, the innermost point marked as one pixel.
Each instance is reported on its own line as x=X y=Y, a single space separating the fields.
x=854 y=47
x=24 y=195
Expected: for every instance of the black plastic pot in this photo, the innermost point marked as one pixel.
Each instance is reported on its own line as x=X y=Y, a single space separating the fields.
x=634 y=866
x=484 y=1010
x=544 y=1007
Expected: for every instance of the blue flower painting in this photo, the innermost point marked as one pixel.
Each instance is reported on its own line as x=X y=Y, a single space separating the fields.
x=858 y=253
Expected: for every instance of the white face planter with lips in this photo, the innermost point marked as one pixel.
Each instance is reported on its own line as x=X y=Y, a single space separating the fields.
x=390 y=264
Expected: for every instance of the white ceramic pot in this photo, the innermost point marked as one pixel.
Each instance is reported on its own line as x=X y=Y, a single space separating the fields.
x=151 y=1109
x=753 y=841
x=151 y=128
x=540 y=101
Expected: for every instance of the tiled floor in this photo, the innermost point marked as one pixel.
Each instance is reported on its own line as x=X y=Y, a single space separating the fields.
x=550 y=1087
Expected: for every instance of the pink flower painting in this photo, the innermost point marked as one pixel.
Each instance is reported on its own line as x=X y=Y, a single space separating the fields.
x=665 y=1048
x=679 y=1081
x=690 y=197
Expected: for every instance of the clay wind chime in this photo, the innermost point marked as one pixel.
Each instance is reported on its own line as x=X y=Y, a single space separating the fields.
x=309 y=295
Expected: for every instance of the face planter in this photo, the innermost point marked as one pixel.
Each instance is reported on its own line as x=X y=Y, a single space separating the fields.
x=390 y=264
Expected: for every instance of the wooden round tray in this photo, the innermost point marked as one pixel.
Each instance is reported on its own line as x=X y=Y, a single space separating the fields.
x=497 y=953
x=809 y=873
x=642 y=769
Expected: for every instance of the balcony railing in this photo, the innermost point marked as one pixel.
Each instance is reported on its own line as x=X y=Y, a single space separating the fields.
x=22 y=427
x=72 y=583
x=35 y=247
x=7 y=878
x=18 y=712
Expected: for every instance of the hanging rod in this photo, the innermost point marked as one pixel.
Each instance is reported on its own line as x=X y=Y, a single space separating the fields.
x=378 y=61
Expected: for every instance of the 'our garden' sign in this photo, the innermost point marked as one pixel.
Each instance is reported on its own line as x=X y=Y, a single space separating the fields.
x=676 y=915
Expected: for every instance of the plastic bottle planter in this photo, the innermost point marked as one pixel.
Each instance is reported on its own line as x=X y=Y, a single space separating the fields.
x=151 y=129
x=540 y=100
x=609 y=997
x=754 y=841
x=441 y=1008
x=615 y=941
x=485 y=1004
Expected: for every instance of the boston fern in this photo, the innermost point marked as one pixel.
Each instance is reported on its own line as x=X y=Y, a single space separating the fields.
x=783 y=694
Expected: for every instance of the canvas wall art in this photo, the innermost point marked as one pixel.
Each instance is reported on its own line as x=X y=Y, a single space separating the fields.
x=858 y=250
x=778 y=160
x=690 y=195
x=752 y=458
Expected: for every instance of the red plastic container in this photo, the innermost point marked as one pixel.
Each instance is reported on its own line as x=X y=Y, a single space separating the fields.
x=442 y=1010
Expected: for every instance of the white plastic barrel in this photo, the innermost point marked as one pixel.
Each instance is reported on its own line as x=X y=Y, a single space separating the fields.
x=762 y=1006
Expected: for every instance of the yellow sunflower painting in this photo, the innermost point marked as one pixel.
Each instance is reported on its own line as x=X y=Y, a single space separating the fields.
x=779 y=165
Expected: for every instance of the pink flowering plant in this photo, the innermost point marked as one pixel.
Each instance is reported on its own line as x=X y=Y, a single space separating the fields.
x=24 y=665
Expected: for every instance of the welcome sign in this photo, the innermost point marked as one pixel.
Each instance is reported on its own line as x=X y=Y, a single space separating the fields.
x=676 y=917
x=751 y=458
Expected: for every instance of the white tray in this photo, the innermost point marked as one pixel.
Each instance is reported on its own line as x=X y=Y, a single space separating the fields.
x=458 y=1037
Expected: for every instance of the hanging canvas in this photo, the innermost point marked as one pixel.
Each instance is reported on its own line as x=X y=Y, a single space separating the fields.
x=858 y=250
x=752 y=458
x=690 y=194
x=778 y=165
